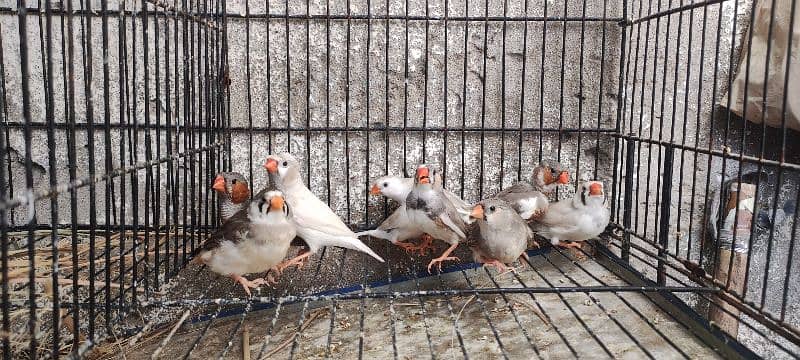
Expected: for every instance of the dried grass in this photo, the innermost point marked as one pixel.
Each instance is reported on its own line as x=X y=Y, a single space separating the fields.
x=19 y=277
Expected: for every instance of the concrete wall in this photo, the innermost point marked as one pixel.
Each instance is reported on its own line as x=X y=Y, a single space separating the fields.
x=327 y=88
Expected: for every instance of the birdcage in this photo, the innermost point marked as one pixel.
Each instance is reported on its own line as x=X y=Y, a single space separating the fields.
x=116 y=116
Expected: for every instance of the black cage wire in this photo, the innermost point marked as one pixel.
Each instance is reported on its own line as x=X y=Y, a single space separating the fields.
x=116 y=116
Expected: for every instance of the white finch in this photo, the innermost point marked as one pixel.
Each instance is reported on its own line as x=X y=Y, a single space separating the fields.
x=397 y=188
x=396 y=228
x=583 y=217
x=428 y=209
x=251 y=241
x=232 y=194
x=503 y=236
x=316 y=223
x=547 y=177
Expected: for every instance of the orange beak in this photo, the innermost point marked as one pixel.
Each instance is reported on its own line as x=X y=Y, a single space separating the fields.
x=271 y=165
x=423 y=175
x=276 y=203
x=219 y=184
x=595 y=189
x=375 y=190
x=477 y=212
x=563 y=178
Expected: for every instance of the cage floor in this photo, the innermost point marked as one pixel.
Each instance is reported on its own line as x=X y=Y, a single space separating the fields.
x=513 y=325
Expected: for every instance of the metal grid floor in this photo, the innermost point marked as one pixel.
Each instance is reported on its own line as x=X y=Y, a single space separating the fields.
x=421 y=320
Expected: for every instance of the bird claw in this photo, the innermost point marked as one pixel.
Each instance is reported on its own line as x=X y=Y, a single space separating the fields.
x=438 y=262
x=269 y=279
x=247 y=284
x=408 y=247
x=299 y=261
x=575 y=247
x=501 y=268
x=425 y=245
x=280 y=268
x=571 y=244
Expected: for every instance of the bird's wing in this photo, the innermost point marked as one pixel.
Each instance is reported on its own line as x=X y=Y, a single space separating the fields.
x=310 y=212
x=554 y=217
x=324 y=239
x=231 y=230
x=455 y=200
x=444 y=220
x=319 y=226
x=397 y=219
x=520 y=187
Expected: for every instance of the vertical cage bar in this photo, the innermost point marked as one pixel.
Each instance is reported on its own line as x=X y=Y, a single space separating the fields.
x=26 y=115
x=3 y=212
x=49 y=102
x=157 y=205
x=666 y=201
x=630 y=151
x=72 y=164
x=524 y=72
x=797 y=200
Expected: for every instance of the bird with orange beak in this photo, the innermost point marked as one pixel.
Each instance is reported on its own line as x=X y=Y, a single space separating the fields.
x=548 y=176
x=396 y=228
x=316 y=223
x=232 y=194
x=503 y=237
x=253 y=240
x=428 y=209
x=568 y=222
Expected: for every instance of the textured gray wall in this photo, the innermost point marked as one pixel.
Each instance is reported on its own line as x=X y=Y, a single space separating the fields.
x=334 y=101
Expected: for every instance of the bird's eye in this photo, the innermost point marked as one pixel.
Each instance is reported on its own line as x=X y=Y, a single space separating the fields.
x=386 y=184
x=491 y=208
x=233 y=181
x=285 y=163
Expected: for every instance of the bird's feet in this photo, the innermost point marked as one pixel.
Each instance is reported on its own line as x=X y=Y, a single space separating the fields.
x=299 y=261
x=569 y=244
x=408 y=247
x=425 y=245
x=271 y=279
x=523 y=259
x=247 y=284
x=575 y=246
x=502 y=268
x=438 y=262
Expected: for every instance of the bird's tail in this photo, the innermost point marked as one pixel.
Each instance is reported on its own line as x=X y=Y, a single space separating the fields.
x=377 y=233
x=356 y=244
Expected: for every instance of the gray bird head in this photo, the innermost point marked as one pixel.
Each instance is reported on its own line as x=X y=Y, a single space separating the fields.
x=232 y=186
x=428 y=175
x=591 y=193
x=492 y=211
x=286 y=167
x=269 y=204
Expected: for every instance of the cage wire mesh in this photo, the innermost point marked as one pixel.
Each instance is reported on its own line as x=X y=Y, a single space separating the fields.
x=116 y=116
